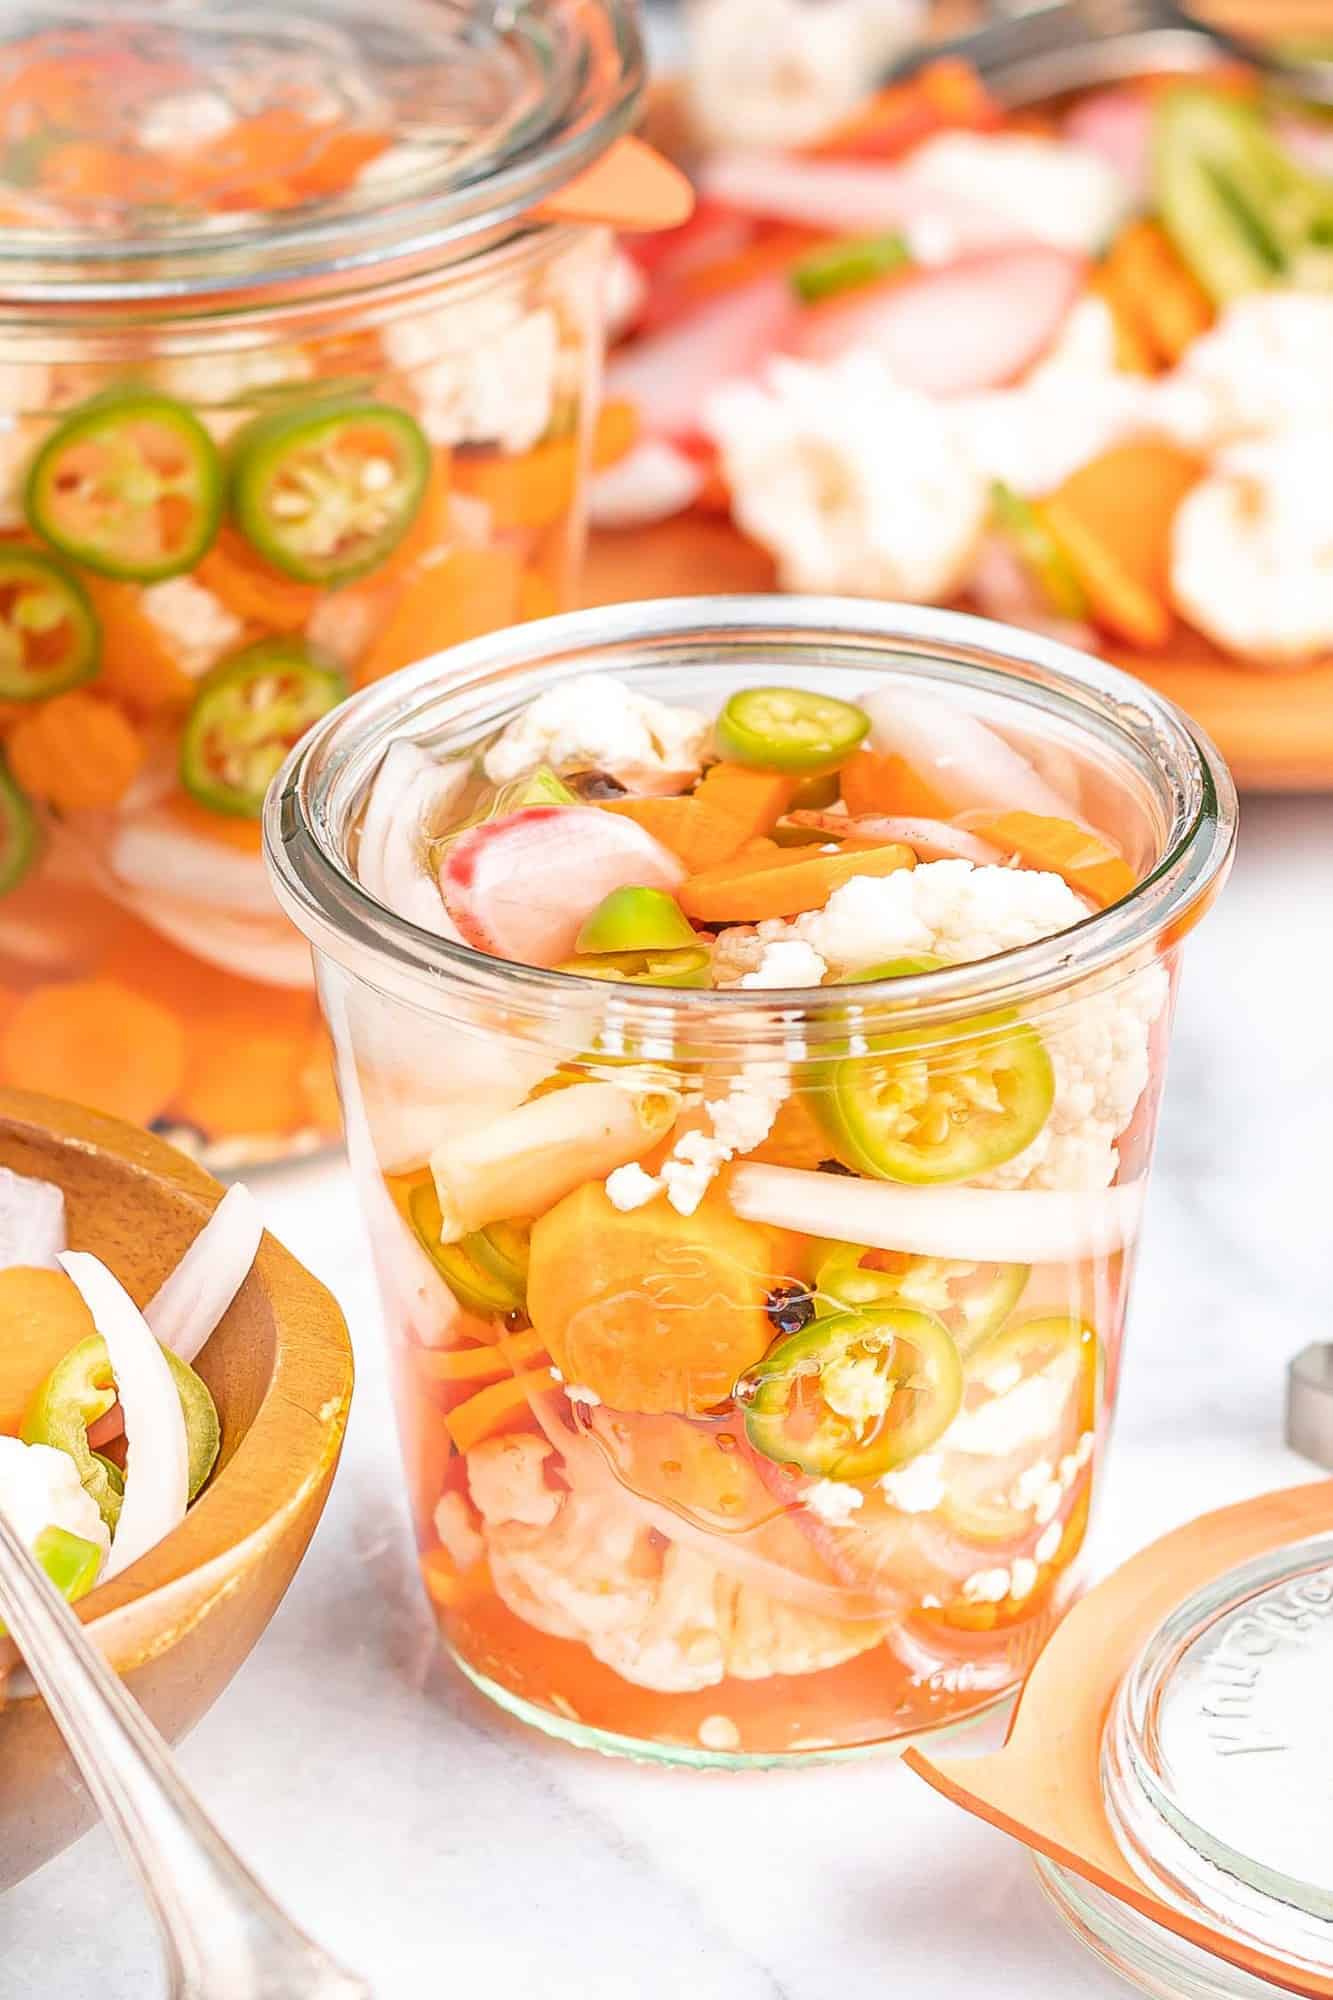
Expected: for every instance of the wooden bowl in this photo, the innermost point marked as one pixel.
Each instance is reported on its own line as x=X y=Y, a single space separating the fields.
x=179 y=1622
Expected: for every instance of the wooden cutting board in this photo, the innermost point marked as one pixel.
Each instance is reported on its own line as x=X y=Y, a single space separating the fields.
x=1274 y=729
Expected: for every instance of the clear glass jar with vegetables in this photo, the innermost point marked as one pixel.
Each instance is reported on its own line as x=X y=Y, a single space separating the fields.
x=751 y=1016
x=298 y=374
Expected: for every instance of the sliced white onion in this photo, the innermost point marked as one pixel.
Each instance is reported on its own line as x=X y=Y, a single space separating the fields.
x=650 y=483
x=266 y=949
x=984 y=1225
x=157 y=1473
x=32 y=1221
x=150 y=851
x=933 y=839
x=968 y=764
x=410 y=794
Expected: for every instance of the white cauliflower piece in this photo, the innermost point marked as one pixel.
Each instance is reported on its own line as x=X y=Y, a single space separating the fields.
x=1264 y=367
x=780 y=72
x=40 y=1488
x=342 y=625
x=855 y=484
x=741 y=1121
x=1097 y=1040
x=18 y=443
x=1252 y=547
x=25 y=389
x=595 y=722
x=196 y=625
x=483 y=371
x=786 y=962
x=210 y=380
x=455 y=1526
x=658 y=1614
x=834 y=1500
x=186 y=122
x=1052 y=190
x=505 y=1476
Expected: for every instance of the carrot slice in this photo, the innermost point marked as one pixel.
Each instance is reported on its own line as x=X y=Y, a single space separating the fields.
x=946 y=95
x=730 y=806
x=253 y=591
x=536 y=596
x=100 y=1043
x=527 y=489
x=493 y=1409
x=41 y=1317
x=872 y=782
x=488 y=1363
x=616 y=433
x=1086 y=861
x=470 y=592
x=1158 y=290
x=754 y=887
x=138 y=665
x=1113 y=520
x=1134 y=351
x=241 y=1080
x=76 y=752
x=450 y=1587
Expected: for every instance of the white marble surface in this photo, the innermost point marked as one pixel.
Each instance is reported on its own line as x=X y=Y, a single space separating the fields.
x=443 y=1850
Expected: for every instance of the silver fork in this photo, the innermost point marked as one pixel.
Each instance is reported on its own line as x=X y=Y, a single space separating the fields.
x=223 y=1937
x=1073 y=43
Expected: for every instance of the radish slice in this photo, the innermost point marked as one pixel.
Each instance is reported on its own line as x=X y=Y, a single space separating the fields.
x=669 y=376
x=972 y=325
x=32 y=1222
x=520 y=887
x=190 y=1301
x=985 y=1225
x=933 y=839
x=157 y=1478
x=651 y=483
x=960 y=758
x=150 y=850
x=1117 y=124
x=858 y=198
x=411 y=794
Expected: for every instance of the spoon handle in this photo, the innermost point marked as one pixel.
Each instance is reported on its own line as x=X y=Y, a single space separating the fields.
x=224 y=1938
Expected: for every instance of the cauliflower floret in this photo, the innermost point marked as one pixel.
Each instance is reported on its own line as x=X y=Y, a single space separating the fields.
x=18 y=442
x=1050 y=189
x=1263 y=368
x=786 y=962
x=741 y=1121
x=505 y=1475
x=211 y=380
x=1097 y=1041
x=186 y=122
x=40 y=1488
x=196 y=625
x=662 y=1616
x=1252 y=547
x=855 y=484
x=484 y=372
x=596 y=723
x=780 y=72
x=454 y=1524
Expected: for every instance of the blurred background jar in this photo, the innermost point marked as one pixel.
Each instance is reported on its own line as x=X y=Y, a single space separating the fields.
x=296 y=386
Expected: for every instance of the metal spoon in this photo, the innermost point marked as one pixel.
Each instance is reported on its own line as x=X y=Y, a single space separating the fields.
x=223 y=1938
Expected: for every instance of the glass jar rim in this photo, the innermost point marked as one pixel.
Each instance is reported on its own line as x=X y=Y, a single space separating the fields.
x=577 y=68
x=313 y=803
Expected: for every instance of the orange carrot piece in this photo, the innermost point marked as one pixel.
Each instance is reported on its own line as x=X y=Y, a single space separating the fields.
x=876 y=783
x=1086 y=861
x=1134 y=350
x=242 y=1080
x=469 y=592
x=751 y=888
x=317 y=1081
x=98 y=1042
x=616 y=432
x=76 y=752
x=42 y=1316
x=944 y=95
x=138 y=664
x=527 y=489
x=251 y=589
x=1113 y=520
x=488 y=1363
x=754 y=800
x=494 y=1408
x=1171 y=306
x=536 y=596
x=728 y=808
x=450 y=1587
x=226 y=829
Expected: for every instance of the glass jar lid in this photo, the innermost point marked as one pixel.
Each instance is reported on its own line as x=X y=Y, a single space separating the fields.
x=160 y=149
x=1217 y=1760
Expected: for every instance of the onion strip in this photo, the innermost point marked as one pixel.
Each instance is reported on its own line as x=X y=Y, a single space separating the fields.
x=32 y=1221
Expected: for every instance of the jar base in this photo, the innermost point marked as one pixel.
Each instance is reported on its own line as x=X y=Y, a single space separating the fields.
x=1141 y=1952
x=695 y=1757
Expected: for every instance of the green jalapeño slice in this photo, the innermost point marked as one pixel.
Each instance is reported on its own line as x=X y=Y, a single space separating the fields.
x=19 y=838
x=488 y=1271
x=246 y=716
x=844 y=266
x=326 y=491
x=940 y=1104
x=49 y=639
x=129 y=485
x=636 y=920
x=789 y=729
x=973 y=1300
x=853 y=1396
x=70 y=1561
x=690 y=966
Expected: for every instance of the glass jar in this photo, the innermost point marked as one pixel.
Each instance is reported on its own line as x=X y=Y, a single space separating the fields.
x=295 y=388
x=651 y=1547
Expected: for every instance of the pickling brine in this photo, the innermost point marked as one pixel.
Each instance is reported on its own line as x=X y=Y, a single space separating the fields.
x=755 y=1194
x=283 y=407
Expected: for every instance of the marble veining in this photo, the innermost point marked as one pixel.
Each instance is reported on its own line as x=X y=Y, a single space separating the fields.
x=443 y=1850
